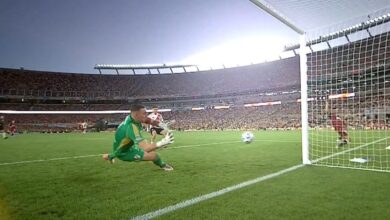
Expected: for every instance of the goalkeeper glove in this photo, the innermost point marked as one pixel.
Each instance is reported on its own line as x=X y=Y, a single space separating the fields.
x=168 y=139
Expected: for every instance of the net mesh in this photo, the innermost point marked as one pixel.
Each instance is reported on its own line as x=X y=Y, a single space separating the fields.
x=349 y=99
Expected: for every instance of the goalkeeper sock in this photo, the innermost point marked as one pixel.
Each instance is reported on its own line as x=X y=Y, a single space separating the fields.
x=158 y=161
x=111 y=157
x=4 y=135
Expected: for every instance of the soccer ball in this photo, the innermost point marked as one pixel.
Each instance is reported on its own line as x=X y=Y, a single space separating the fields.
x=247 y=137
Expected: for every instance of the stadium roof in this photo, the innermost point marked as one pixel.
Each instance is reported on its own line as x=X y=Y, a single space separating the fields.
x=326 y=20
x=148 y=67
x=315 y=14
x=139 y=66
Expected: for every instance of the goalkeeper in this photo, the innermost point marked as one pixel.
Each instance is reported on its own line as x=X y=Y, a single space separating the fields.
x=129 y=145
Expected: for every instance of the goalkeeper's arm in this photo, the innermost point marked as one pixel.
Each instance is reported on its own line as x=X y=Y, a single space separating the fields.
x=168 y=139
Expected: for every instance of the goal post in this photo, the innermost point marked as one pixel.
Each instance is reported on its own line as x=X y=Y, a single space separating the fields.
x=304 y=104
x=303 y=72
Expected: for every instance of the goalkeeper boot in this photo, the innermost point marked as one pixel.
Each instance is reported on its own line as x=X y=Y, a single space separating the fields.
x=167 y=167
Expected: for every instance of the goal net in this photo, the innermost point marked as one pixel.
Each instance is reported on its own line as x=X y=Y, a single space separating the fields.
x=348 y=82
x=346 y=118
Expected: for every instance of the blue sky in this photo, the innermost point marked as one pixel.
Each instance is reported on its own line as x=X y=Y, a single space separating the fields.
x=74 y=35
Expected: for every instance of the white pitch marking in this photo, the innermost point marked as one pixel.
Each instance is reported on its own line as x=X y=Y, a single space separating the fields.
x=95 y=155
x=60 y=158
x=198 y=199
x=349 y=150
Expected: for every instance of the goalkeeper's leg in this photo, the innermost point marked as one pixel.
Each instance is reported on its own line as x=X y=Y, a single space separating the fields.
x=155 y=157
x=138 y=154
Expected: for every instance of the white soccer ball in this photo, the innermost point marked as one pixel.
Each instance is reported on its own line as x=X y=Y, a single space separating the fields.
x=247 y=137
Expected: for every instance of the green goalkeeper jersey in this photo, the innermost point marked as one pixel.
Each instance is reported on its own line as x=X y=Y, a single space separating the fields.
x=127 y=136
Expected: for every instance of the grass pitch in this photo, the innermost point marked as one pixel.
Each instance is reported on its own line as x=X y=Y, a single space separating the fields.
x=53 y=182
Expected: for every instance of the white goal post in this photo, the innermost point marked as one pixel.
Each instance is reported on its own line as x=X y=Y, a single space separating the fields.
x=303 y=73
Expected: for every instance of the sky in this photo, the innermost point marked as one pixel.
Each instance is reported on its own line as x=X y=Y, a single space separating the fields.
x=74 y=35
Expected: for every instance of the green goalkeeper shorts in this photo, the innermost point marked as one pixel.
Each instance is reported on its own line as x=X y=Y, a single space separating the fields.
x=134 y=153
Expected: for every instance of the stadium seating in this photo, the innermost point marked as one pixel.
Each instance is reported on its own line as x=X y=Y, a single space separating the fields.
x=259 y=77
x=267 y=82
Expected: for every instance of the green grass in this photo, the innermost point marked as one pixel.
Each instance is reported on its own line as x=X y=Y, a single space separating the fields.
x=88 y=188
x=369 y=144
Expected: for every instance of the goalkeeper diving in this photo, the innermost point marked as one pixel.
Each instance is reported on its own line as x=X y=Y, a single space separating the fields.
x=129 y=145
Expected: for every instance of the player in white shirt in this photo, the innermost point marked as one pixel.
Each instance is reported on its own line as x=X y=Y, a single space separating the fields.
x=84 y=126
x=155 y=130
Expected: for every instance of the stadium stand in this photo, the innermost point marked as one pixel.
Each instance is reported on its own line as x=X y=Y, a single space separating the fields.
x=38 y=90
x=258 y=77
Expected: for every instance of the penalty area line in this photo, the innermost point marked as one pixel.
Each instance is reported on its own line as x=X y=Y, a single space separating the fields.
x=96 y=155
x=44 y=160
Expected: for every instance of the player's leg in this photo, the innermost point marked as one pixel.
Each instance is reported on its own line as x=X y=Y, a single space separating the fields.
x=129 y=155
x=160 y=131
x=339 y=138
x=138 y=154
x=147 y=147
x=154 y=135
x=345 y=137
x=4 y=134
x=163 y=132
x=155 y=157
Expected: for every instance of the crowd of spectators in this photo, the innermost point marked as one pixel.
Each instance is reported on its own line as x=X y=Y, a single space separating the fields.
x=215 y=82
x=350 y=68
x=359 y=112
x=285 y=116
